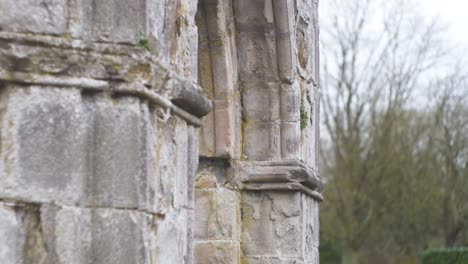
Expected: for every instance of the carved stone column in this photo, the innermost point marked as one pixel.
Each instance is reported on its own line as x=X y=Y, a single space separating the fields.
x=259 y=204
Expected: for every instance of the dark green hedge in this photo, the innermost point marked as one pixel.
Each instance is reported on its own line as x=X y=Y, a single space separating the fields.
x=445 y=256
x=329 y=252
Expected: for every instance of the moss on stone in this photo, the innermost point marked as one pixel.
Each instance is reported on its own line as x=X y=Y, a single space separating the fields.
x=139 y=71
x=304 y=116
x=144 y=42
x=244 y=125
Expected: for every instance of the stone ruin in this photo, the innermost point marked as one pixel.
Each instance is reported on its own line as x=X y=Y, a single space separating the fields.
x=162 y=132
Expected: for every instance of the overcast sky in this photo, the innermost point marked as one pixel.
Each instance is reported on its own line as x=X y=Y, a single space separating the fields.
x=454 y=13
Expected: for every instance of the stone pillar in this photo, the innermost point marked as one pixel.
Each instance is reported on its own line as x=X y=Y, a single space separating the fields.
x=99 y=117
x=217 y=211
x=257 y=195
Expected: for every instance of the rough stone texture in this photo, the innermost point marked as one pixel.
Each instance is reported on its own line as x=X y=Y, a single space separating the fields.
x=218 y=252
x=271 y=223
x=216 y=214
x=218 y=75
x=270 y=50
x=100 y=111
x=43 y=144
x=32 y=16
x=99 y=116
x=56 y=234
x=109 y=21
x=91 y=150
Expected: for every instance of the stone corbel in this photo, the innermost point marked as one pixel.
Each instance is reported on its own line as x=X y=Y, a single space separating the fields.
x=187 y=96
x=283 y=175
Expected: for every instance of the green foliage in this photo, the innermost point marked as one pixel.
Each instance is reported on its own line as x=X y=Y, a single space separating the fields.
x=144 y=42
x=445 y=256
x=397 y=170
x=329 y=253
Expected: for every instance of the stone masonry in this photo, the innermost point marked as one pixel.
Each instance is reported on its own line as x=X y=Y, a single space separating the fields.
x=159 y=132
x=257 y=188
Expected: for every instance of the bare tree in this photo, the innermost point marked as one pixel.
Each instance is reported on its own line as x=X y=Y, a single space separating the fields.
x=377 y=148
x=450 y=133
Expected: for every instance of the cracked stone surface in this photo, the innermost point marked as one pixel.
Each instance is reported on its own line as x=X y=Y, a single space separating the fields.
x=105 y=156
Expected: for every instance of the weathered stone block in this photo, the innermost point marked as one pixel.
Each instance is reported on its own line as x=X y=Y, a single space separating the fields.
x=173 y=35
x=207 y=136
x=314 y=258
x=166 y=163
x=310 y=129
x=43 y=144
x=290 y=140
x=311 y=224
x=216 y=214
x=217 y=252
x=114 y=151
x=261 y=101
x=189 y=51
x=119 y=21
x=262 y=141
x=257 y=54
x=156 y=15
x=58 y=146
x=271 y=224
x=192 y=170
x=161 y=22
x=258 y=12
x=307 y=43
x=284 y=21
x=271 y=260
x=147 y=180
x=66 y=233
x=11 y=235
x=169 y=238
x=290 y=102
x=79 y=235
x=211 y=173
x=205 y=179
x=181 y=198
x=193 y=161
x=34 y=16
x=224 y=132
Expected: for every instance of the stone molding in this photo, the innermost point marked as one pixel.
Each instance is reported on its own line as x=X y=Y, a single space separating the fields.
x=283 y=175
x=183 y=98
x=219 y=78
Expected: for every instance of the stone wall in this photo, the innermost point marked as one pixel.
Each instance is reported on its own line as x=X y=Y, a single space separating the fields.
x=257 y=188
x=101 y=107
x=99 y=119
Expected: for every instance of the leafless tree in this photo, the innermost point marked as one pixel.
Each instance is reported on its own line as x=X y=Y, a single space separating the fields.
x=379 y=148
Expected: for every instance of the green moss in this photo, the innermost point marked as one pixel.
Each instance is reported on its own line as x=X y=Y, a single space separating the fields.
x=244 y=125
x=68 y=37
x=144 y=42
x=139 y=71
x=304 y=116
x=217 y=42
